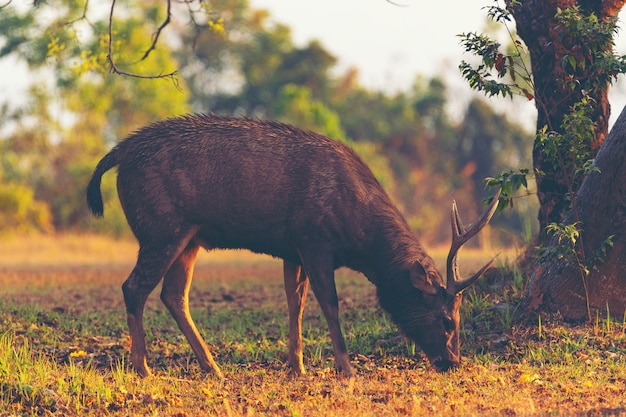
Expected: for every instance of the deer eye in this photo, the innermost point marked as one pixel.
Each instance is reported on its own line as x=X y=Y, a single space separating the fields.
x=448 y=324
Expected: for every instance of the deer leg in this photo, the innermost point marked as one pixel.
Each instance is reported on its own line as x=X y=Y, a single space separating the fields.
x=175 y=296
x=296 y=287
x=152 y=263
x=321 y=272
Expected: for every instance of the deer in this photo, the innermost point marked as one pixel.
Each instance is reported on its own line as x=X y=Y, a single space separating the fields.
x=214 y=181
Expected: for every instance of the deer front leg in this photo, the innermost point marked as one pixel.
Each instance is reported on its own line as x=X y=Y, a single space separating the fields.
x=175 y=296
x=319 y=268
x=296 y=287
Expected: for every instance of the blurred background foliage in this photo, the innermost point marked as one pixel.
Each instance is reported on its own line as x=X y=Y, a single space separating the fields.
x=230 y=59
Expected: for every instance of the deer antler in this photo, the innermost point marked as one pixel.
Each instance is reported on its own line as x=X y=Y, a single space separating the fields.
x=460 y=235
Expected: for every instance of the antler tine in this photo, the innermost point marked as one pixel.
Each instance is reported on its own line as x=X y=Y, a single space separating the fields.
x=460 y=235
x=457 y=225
x=458 y=229
x=461 y=285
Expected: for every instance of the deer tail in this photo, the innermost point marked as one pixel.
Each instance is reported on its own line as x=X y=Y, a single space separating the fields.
x=94 y=195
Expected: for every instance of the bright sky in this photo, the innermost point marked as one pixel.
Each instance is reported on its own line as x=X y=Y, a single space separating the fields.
x=390 y=43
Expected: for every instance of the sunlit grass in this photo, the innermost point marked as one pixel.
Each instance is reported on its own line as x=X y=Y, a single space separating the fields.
x=64 y=349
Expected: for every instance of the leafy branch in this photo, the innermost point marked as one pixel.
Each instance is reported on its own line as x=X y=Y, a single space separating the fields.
x=569 y=238
x=510 y=65
x=216 y=25
x=570 y=249
x=508 y=183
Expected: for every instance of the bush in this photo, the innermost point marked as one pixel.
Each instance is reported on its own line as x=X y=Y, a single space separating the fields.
x=20 y=212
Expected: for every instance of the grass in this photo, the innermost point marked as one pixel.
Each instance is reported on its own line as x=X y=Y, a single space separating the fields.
x=64 y=346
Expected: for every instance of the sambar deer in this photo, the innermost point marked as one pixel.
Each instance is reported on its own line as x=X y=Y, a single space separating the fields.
x=224 y=182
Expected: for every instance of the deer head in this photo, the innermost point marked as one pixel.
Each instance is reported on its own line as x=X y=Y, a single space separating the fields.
x=434 y=322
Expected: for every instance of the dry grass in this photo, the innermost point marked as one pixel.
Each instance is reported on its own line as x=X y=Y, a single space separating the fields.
x=72 y=249
x=64 y=250
x=64 y=347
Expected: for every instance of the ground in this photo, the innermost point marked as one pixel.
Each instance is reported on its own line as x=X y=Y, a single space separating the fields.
x=64 y=345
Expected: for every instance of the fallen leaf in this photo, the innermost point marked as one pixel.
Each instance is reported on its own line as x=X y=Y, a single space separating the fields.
x=528 y=378
x=78 y=354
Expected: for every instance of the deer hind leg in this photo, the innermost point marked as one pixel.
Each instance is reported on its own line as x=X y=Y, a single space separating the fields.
x=152 y=263
x=175 y=296
x=296 y=287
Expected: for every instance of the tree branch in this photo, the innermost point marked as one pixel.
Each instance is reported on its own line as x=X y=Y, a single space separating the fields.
x=115 y=70
x=155 y=37
x=397 y=4
x=195 y=24
x=81 y=17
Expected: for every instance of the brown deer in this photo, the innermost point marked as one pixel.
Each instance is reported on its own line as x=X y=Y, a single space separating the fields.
x=223 y=182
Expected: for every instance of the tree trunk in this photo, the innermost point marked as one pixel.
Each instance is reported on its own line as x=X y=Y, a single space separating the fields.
x=549 y=48
x=601 y=200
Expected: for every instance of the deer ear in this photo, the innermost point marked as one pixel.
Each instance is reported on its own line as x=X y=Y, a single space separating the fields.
x=421 y=280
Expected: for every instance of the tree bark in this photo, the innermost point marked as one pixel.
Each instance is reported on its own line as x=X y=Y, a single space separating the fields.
x=548 y=46
x=557 y=286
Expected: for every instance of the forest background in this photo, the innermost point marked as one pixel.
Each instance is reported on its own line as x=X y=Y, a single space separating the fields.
x=64 y=353
x=237 y=62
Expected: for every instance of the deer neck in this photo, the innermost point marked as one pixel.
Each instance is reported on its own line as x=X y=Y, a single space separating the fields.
x=393 y=252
